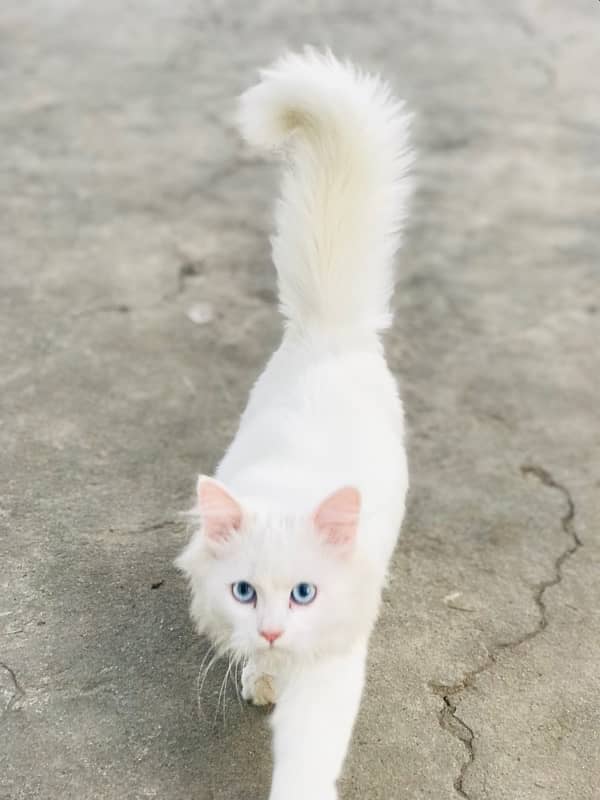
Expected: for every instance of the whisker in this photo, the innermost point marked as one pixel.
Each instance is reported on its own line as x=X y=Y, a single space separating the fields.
x=203 y=674
x=211 y=649
x=237 y=680
x=225 y=692
x=221 y=695
x=235 y=664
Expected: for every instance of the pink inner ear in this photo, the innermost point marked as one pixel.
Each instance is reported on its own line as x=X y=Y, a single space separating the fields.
x=221 y=513
x=336 y=519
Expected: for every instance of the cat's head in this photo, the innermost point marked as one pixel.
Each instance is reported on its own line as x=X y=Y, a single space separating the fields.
x=291 y=584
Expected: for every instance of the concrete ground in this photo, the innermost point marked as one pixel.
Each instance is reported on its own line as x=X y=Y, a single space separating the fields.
x=137 y=307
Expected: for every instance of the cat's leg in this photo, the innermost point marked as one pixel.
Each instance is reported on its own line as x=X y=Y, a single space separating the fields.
x=312 y=724
x=258 y=687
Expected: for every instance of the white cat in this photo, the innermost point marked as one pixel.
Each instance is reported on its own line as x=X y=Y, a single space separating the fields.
x=296 y=531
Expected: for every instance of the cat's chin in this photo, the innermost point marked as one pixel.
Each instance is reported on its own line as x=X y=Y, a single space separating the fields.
x=257 y=651
x=276 y=652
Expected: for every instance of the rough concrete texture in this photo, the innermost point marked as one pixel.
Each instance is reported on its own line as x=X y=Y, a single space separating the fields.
x=129 y=207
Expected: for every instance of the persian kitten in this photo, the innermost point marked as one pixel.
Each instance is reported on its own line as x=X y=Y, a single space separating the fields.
x=297 y=527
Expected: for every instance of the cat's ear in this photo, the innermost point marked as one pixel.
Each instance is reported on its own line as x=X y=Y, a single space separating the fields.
x=336 y=518
x=221 y=513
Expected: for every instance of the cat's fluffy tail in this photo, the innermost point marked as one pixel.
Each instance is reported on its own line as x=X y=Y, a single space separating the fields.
x=344 y=191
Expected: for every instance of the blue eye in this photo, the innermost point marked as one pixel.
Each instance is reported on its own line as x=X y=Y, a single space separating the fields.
x=304 y=593
x=243 y=592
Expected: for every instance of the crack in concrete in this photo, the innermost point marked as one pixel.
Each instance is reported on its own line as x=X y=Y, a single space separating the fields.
x=450 y=722
x=17 y=690
x=447 y=717
x=112 y=308
x=157 y=526
x=151 y=527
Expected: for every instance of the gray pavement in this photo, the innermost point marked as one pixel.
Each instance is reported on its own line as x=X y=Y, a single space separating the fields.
x=137 y=307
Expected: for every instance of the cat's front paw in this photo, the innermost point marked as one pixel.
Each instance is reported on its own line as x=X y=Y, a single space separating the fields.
x=257 y=688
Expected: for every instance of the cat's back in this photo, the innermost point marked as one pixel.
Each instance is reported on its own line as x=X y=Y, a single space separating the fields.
x=322 y=407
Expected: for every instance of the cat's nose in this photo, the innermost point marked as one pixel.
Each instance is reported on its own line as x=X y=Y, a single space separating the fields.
x=271 y=636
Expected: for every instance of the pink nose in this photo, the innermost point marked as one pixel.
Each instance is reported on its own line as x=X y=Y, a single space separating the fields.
x=271 y=636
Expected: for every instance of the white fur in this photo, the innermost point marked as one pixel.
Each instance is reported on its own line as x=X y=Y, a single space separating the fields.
x=344 y=189
x=324 y=414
